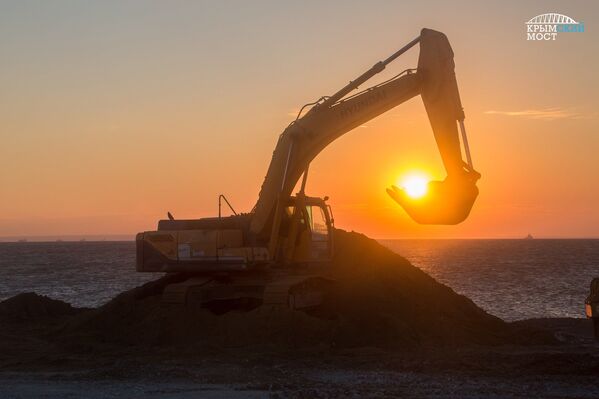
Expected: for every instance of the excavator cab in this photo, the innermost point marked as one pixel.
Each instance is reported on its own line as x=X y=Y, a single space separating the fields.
x=306 y=232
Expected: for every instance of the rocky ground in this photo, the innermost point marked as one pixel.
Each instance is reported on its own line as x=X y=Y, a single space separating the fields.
x=388 y=330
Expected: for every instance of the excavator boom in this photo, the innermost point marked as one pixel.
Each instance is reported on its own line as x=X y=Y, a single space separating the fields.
x=306 y=137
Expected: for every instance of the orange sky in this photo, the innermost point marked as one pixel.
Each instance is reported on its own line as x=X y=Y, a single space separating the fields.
x=113 y=113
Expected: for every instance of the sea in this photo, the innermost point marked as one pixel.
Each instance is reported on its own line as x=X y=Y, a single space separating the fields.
x=512 y=279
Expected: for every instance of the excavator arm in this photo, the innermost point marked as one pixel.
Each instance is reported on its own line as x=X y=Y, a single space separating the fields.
x=448 y=201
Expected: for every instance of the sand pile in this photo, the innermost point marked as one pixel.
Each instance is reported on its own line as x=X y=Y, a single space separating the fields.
x=32 y=307
x=387 y=299
x=380 y=300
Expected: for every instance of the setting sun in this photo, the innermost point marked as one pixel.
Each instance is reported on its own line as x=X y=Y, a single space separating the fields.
x=415 y=185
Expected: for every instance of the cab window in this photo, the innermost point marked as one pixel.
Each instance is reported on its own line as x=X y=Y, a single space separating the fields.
x=319 y=248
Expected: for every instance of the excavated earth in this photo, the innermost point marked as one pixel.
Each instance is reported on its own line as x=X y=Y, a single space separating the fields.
x=387 y=329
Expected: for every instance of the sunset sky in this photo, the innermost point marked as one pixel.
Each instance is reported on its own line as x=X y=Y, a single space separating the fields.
x=113 y=113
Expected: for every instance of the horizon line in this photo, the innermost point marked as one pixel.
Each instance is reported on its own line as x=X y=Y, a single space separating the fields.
x=131 y=237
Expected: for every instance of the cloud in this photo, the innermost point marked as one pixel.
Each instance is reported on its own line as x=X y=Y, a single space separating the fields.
x=548 y=114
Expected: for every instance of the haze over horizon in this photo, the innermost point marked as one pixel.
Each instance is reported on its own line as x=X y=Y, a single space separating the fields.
x=114 y=113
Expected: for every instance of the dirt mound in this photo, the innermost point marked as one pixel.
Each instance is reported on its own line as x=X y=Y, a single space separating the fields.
x=380 y=300
x=386 y=299
x=30 y=306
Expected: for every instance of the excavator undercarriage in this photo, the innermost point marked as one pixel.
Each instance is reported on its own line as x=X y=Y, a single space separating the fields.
x=303 y=290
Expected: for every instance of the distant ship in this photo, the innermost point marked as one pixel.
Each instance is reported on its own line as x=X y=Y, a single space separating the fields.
x=529 y=237
x=23 y=240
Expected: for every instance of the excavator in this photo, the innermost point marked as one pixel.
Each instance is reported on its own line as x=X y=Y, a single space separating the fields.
x=279 y=254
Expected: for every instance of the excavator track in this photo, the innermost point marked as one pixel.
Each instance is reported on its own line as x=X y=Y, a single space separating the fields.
x=176 y=294
x=297 y=292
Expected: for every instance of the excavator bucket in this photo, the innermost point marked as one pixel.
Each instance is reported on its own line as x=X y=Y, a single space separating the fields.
x=448 y=201
x=445 y=202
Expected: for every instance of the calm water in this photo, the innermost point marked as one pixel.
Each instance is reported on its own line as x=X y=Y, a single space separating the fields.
x=81 y=273
x=513 y=279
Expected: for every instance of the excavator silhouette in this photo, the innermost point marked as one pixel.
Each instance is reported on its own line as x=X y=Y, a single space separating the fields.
x=278 y=254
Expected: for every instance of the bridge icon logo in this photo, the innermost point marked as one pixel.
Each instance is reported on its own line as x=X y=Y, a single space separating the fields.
x=547 y=26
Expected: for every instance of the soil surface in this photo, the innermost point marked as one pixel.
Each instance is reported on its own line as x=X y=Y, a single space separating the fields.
x=386 y=330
